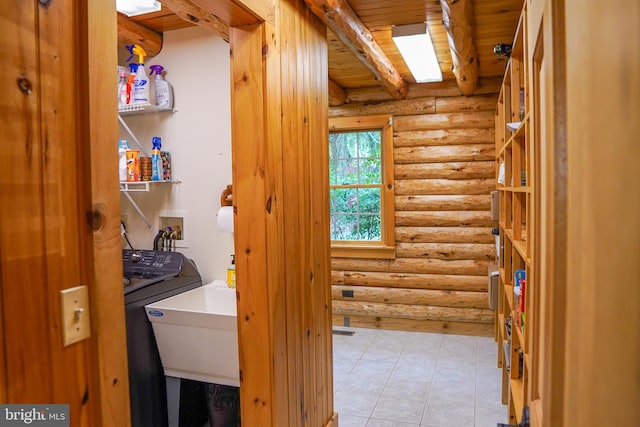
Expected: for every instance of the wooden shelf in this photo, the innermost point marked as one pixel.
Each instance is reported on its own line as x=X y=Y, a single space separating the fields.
x=514 y=152
x=508 y=292
x=517 y=395
x=521 y=247
x=516 y=189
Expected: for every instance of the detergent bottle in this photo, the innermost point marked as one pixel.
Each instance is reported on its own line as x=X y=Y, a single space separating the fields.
x=141 y=81
x=123 y=146
x=231 y=273
x=156 y=159
x=164 y=92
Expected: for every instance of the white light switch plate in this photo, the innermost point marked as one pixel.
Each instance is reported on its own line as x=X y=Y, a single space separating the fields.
x=76 y=323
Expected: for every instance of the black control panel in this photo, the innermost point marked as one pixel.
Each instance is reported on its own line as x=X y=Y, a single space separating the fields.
x=147 y=264
x=145 y=267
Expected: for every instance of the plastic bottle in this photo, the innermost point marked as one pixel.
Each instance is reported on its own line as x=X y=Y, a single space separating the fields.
x=231 y=273
x=164 y=92
x=156 y=160
x=122 y=88
x=122 y=83
x=123 y=146
x=129 y=89
x=141 y=81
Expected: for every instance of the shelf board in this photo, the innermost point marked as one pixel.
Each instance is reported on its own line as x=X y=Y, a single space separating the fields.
x=517 y=395
x=506 y=145
x=526 y=189
x=521 y=247
x=133 y=109
x=141 y=186
x=508 y=292
x=518 y=333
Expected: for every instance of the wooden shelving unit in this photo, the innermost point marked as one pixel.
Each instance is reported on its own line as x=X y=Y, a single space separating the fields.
x=515 y=172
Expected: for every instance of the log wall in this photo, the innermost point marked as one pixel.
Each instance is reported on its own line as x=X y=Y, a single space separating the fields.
x=444 y=172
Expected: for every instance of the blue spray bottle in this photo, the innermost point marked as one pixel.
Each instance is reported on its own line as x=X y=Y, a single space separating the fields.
x=156 y=159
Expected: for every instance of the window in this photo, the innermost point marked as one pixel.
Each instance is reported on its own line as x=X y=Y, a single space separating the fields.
x=361 y=187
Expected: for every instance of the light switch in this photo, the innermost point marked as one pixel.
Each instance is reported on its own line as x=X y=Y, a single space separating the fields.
x=76 y=324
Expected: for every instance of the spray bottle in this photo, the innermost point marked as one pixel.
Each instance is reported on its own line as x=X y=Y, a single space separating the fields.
x=129 y=86
x=164 y=93
x=122 y=85
x=156 y=160
x=141 y=82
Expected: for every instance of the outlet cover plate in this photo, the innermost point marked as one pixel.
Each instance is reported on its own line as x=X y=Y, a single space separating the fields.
x=76 y=323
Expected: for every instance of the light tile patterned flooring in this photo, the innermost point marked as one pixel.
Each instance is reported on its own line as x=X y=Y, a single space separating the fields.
x=414 y=379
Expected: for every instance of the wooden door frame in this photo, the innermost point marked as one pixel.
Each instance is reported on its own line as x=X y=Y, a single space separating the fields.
x=266 y=370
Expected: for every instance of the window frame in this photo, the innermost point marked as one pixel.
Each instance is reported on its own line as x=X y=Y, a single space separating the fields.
x=386 y=248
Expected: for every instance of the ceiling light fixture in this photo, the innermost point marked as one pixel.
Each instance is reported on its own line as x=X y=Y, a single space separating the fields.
x=415 y=46
x=137 y=7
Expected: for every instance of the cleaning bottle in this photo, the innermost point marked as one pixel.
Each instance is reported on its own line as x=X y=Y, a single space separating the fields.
x=231 y=273
x=164 y=92
x=129 y=88
x=141 y=81
x=156 y=160
x=123 y=146
x=122 y=85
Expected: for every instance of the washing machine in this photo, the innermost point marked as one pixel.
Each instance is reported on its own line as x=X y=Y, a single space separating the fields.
x=151 y=276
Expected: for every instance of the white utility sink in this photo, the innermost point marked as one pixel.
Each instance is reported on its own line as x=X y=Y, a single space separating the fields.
x=197 y=334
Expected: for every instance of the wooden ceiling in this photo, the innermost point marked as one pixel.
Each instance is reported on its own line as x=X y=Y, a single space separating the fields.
x=492 y=22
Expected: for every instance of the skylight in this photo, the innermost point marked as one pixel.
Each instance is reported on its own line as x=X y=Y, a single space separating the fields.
x=137 y=7
x=415 y=45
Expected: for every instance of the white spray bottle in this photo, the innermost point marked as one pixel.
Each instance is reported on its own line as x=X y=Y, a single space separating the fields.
x=141 y=81
x=164 y=92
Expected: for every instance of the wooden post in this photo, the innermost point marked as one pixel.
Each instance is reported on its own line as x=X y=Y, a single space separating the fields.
x=280 y=181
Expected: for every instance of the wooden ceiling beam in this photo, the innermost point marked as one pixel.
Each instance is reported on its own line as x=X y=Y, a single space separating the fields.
x=340 y=17
x=457 y=17
x=337 y=95
x=191 y=12
x=130 y=32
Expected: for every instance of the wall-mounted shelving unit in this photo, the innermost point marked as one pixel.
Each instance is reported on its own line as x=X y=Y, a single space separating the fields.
x=127 y=187
x=515 y=170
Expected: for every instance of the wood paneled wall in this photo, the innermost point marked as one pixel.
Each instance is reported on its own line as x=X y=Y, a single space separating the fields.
x=280 y=178
x=444 y=172
x=59 y=210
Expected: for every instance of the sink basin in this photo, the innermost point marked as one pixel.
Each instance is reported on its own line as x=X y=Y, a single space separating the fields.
x=197 y=336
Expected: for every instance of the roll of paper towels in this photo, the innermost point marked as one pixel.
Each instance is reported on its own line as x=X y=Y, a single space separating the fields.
x=225 y=219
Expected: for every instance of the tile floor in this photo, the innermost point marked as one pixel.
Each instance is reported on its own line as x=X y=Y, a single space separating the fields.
x=413 y=379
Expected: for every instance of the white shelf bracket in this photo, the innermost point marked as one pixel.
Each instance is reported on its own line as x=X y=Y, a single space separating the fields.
x=135 y=206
